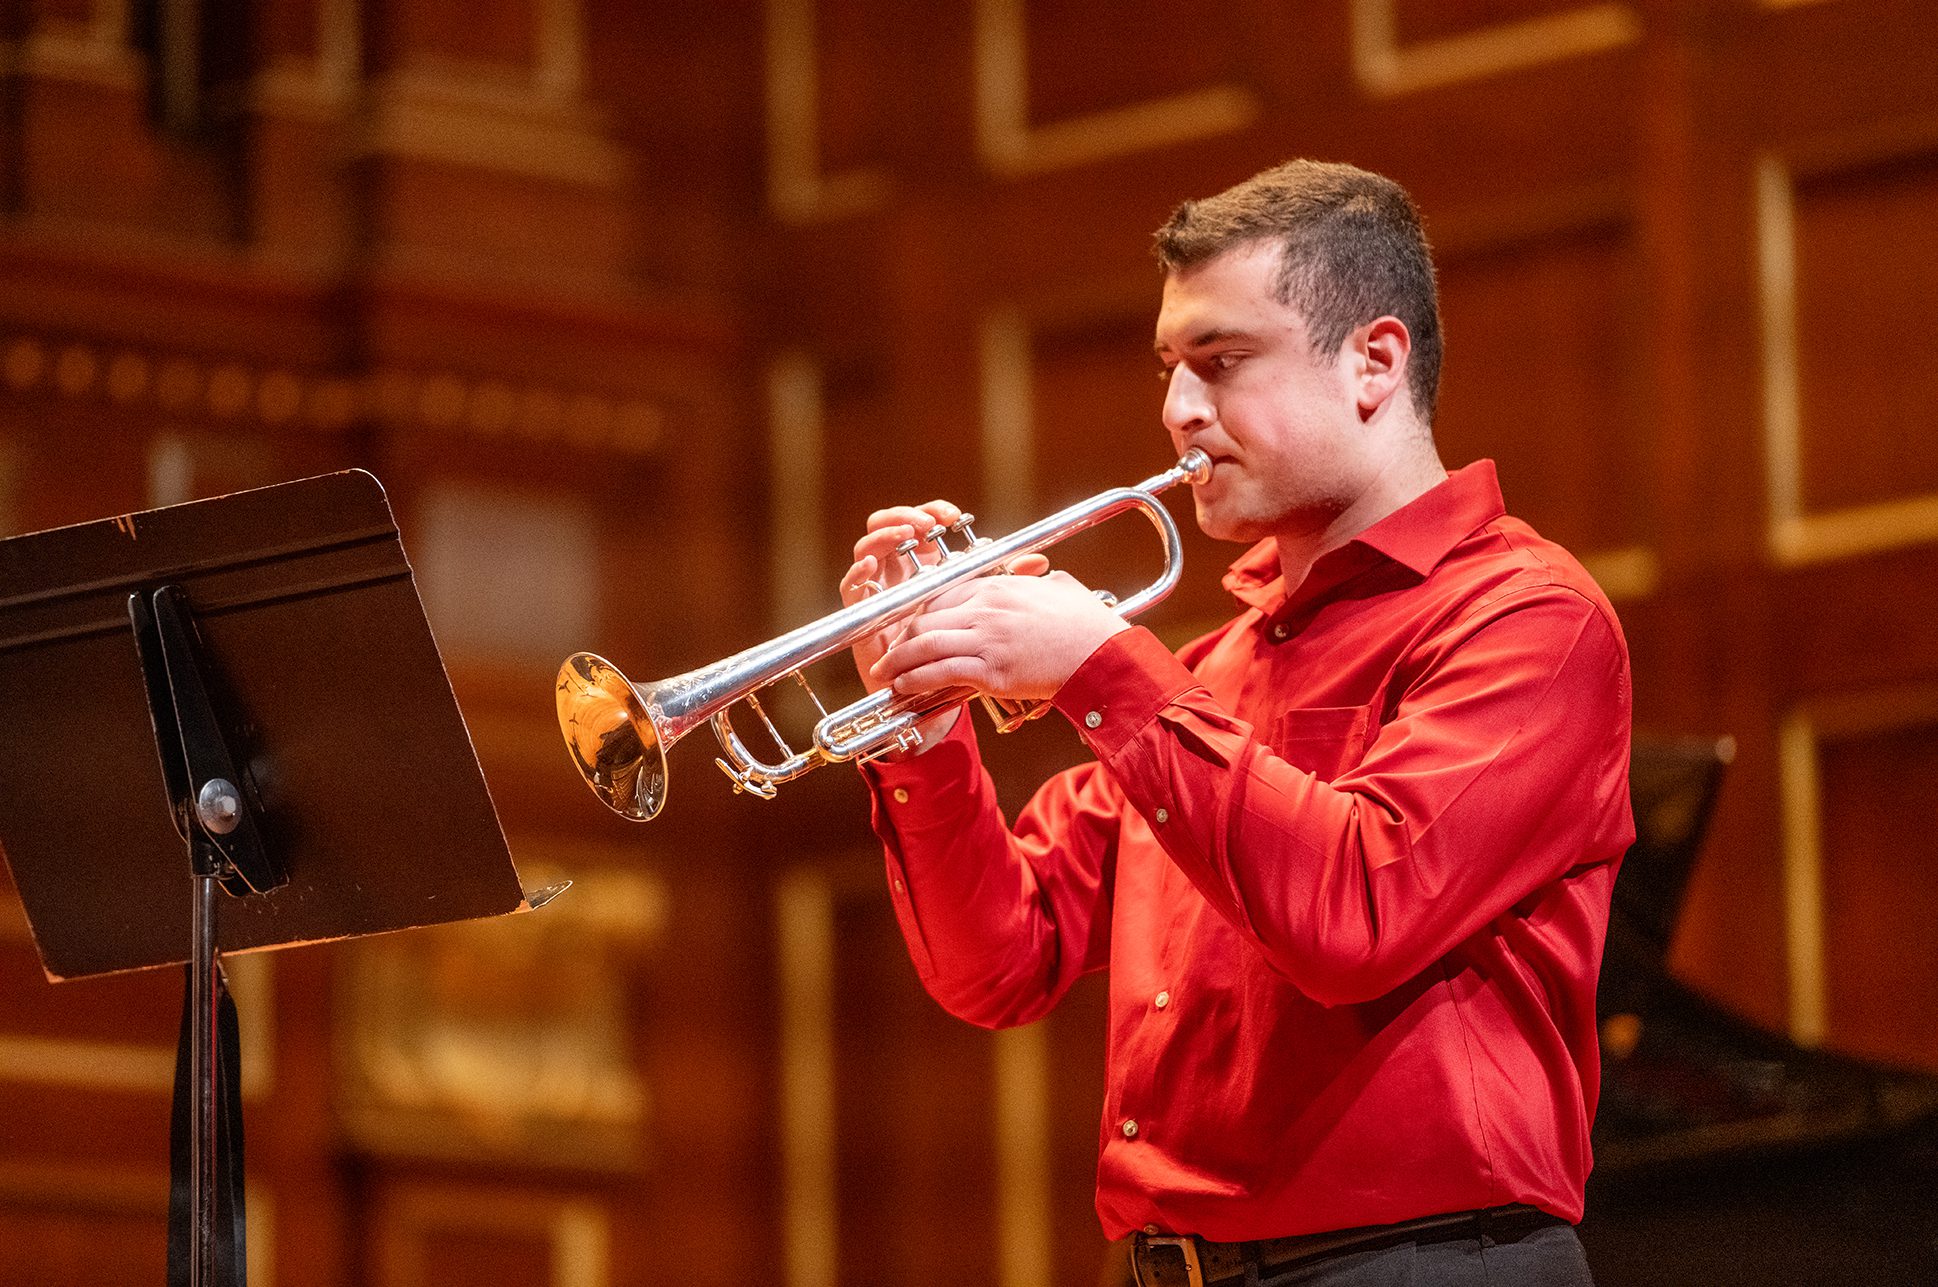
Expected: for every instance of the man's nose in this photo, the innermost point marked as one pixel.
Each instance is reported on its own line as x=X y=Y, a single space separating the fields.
x=1187 y=406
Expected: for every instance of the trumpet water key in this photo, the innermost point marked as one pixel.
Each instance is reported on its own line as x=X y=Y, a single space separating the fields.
x=618 y=732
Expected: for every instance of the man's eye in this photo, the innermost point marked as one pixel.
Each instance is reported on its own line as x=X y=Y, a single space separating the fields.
x=1222 y=361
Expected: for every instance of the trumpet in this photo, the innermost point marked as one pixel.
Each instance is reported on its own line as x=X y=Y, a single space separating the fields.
x=618 y=732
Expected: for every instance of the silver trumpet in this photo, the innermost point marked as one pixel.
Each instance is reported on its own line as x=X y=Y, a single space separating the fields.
x=618 y=732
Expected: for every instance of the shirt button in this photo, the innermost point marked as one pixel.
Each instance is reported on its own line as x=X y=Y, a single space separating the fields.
x=901 y=795
x=1280 y=631
x=1162 y=815
x=1150 y=1228
x=1130 y=1129
x=900 y=888
x=1161 y=1000
x=1092 y=720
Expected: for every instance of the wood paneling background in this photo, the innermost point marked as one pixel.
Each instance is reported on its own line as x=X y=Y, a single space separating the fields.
x=637 y=310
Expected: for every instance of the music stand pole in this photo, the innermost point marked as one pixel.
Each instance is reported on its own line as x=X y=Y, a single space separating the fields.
x=202 y=1144
x=217 y=822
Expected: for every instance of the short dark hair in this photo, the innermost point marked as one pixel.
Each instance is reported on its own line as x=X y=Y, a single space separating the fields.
x=1351 y=249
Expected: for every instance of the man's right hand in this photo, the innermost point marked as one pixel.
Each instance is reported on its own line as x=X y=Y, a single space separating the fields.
x=877 y=567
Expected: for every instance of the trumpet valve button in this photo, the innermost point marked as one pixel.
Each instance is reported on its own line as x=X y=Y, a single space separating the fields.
x=934 y=537
x=906 y=550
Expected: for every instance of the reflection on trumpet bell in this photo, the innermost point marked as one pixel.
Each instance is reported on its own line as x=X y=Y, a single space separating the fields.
x=618 y=732
x=611 y=736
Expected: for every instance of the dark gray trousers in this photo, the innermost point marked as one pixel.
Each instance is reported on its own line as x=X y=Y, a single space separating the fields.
x=1546 y=1257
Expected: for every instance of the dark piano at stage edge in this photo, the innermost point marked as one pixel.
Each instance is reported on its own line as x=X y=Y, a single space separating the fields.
x=1727 y=1156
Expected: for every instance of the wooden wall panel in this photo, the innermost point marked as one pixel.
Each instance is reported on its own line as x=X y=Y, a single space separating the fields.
x=855 y=106
x=1866 y=272
x=432 y=1233
x=1880 y=886
x=1098 y=56
x=914 y=1116
x=1544 y=373
x=1075 y=1036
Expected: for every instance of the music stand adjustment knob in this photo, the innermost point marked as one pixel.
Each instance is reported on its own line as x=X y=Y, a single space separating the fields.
x=219 y=806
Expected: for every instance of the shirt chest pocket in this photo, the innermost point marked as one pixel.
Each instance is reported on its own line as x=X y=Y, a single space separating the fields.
x=1325 y=741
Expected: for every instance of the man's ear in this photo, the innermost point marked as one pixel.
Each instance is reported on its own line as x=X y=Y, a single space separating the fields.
x=1381 y=348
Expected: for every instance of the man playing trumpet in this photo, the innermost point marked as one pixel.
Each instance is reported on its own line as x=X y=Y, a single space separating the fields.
x=1348 y=858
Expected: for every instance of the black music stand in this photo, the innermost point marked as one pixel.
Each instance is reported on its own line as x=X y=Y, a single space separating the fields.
x=250 y=677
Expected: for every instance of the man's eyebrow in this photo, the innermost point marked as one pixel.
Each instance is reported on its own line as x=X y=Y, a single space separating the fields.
x=1216 y=335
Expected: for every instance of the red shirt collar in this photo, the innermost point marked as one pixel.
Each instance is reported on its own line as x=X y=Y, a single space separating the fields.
x=1417 y=535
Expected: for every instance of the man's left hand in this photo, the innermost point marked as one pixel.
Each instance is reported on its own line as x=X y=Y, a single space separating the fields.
x=1018 y=637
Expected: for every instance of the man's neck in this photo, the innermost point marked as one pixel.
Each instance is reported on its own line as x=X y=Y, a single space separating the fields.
x=1403 y=479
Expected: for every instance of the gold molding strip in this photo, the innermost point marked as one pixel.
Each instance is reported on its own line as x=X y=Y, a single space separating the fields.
x=259 y=1233
x=1795 y=536
x=1387 y=69
x=1009 y=145
x=797 y=189
x=86 y=1065
x=1024 y=1239
x=315 y=400
x=804 y=957
x=1008 y=416
x=1803 y=878
x=1629 y=573
x=437 y=117
x=796 y=439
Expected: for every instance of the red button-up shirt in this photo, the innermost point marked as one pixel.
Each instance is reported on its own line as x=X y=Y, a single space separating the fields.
x=1348 y=861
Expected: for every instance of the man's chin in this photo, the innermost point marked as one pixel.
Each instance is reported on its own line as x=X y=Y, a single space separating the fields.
x=1221 y=525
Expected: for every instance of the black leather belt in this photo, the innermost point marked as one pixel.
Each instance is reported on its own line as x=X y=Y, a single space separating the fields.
x=1185 y=1260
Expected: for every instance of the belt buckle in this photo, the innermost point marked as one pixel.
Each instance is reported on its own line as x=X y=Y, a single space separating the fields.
x=1187 y=1247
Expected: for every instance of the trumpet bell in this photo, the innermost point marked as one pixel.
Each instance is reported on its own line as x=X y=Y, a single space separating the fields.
x=611 y=736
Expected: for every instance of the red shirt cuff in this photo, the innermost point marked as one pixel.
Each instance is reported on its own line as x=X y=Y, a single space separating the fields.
x=917 y=790
x=1120 y=688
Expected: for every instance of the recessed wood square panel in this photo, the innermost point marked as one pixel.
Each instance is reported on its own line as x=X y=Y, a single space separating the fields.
x=1542 y=373
x=1415 y=21
x=426 y=1235
x=1880 y=879
x=1866 y=282
x=494 y=34
x=860 y=48
x=914 y=1116
x=1088 y=56
x=1097 y=410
